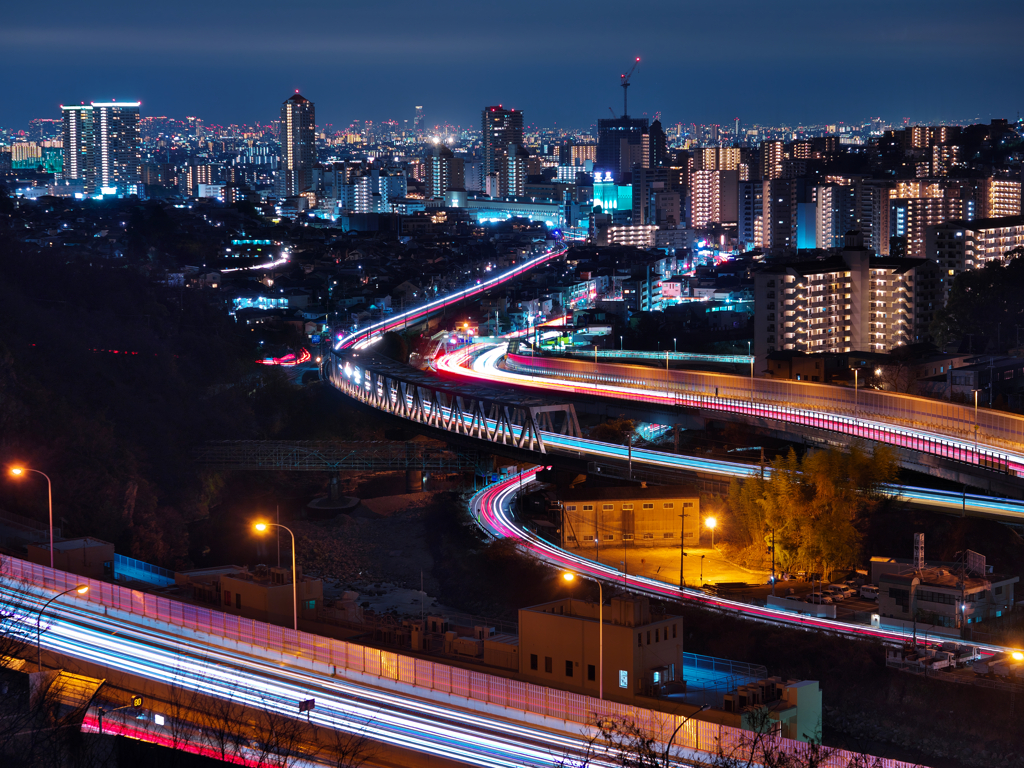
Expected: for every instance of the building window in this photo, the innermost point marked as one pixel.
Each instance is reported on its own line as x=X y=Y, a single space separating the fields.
x=533 y=661
x=607 y=506
x=648 y=535
x=591 y=672
x=626 y=507
x=609 y=537
x=673 y=631
x=687 y=504
x=668 y=505
x=571 y=508
x=588 y=537
x=657 y=635
x=639 y=639
x=238 y=600
x=669 y=535
x=309 y=605
x=548 y=664
x=568 y=669
x=588 y=507
x=627 y=537
x=227 y=597
x=570 y=538
x=648 y=637
x=623 y=679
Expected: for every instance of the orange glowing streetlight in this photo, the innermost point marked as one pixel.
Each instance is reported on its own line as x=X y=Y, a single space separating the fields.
x=711 y=522
x=80 y=589
x=262 y=527
x=17 y=471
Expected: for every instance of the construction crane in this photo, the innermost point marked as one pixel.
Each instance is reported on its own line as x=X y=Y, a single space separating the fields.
x=613 y=112
x=624 y=82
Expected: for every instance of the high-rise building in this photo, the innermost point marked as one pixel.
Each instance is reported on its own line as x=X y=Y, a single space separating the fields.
x=772 y=156
x=853 y=301
x=419 y=123
x=512 y=179
x=713 y=197
x=445 y=172
x=957 y=246
x=298 y=146
x=78 y=145
x=997 y=198
x=117 y=147
x=657 y=195
x=501 y=128
x=621 y=144
x=750 y=214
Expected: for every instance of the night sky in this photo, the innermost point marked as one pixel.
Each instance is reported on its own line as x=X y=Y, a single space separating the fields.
x=787 y=61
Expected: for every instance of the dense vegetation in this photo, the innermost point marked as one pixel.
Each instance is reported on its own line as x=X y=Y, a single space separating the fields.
x=813 y=504
x=985 y=302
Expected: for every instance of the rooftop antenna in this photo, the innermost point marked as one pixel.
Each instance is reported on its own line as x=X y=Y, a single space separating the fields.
x=624 y=82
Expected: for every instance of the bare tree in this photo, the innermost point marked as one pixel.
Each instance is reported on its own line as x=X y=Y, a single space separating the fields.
x=344 y=749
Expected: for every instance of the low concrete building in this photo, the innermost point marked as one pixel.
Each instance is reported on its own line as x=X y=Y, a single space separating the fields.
x=559 y=647
x=634 y=516
x=264 y=594
x=792 y=708
x=89 y=557
x=944 y=597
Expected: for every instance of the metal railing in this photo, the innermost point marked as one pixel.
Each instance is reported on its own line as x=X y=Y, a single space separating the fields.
x=573 y=709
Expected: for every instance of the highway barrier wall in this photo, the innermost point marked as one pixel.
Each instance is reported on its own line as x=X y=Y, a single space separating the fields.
x=816 y=405
x=574 y=710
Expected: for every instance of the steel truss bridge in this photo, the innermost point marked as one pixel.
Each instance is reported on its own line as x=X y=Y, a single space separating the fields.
x=316 y=456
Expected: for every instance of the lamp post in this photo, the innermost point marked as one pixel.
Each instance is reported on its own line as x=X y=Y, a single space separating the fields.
x=80 y=589
x=711 y=522
x=570 y=576
x=674 y=349
x=751 y=367
x=681 y=724
x=621 y=347
x=18 y=471
x=856 y=375
x=262 y=528
x=976 y=424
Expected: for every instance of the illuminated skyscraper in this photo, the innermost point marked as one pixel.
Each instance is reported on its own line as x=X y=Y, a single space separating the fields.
x=298 y=146
x=445 y=172
x=117 y=152
x=78 y=145
x=419 y=122
x=501 y=127
x=621 y=145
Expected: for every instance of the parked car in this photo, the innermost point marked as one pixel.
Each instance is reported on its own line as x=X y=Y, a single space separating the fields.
x=794 y=597
x=834 y=591
x=818 y=599
x=848 y=590
x=869 y=592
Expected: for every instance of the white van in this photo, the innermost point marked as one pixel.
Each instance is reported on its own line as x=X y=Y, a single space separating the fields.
x=869 y=592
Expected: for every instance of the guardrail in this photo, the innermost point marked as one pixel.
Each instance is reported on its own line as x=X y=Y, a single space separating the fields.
x=573 y=709
x=661 y=357
x=748 y=397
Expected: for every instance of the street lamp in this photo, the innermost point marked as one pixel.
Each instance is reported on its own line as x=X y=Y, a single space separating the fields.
x=263 y=528
x=80 y=589
x=681 y=724
x=711 y=522
x=674 y=349
x=976 y=423
x=621 y=348
x=570 y=577
x=19 y=471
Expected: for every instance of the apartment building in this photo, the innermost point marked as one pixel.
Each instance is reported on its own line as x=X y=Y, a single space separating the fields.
x=957 y=246
x=852 y=301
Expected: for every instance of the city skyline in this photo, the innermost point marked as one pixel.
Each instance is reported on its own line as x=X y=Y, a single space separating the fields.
x=837 y=67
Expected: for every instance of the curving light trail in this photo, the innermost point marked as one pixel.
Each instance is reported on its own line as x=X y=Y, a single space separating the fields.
x=492 y=509
x=483 y=367
x=472 y=363
x=371 y=334
x=384 y=716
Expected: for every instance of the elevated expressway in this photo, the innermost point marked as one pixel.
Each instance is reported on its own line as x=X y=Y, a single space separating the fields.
x=930 y=436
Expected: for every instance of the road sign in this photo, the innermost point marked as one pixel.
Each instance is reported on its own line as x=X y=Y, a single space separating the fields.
x=136 y=701
x=306 y=706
